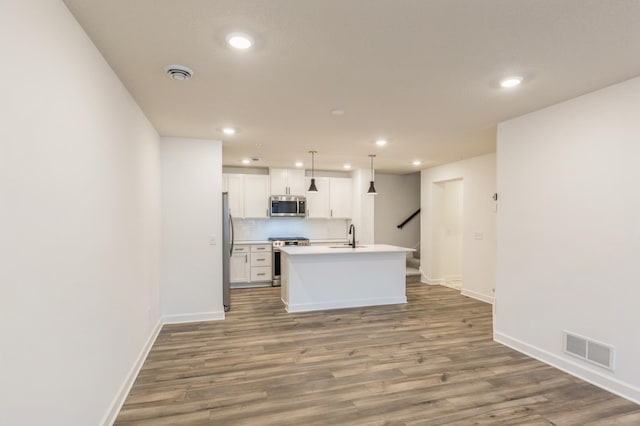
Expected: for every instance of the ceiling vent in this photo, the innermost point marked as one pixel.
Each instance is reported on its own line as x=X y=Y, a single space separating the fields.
x=178 y=72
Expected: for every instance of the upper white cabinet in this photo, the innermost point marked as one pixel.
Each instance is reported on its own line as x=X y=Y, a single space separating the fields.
x=334 y=198
x=341 y=197
x=287 y=181
x=235 y=188
x=318 y=202
x=248 y=194
x=256 y=196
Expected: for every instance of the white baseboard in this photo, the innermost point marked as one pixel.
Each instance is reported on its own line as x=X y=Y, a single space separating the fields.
x=110 y=417
x=451 y=285
x=431 y=281
x=197 y=317
x=354 y=303
x=478 y=296
x=570 y=366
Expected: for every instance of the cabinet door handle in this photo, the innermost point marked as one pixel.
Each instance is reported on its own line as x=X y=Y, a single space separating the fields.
x=331 y=212
x=260 y=260
x=246 y=258
x=261 y=273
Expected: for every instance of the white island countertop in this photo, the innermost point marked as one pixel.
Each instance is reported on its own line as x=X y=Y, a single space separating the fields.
x=343 y=249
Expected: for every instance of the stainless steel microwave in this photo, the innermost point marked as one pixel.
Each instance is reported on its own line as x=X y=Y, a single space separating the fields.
x=288 y=206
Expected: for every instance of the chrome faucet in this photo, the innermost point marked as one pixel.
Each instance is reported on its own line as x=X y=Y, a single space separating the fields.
x=352 y=232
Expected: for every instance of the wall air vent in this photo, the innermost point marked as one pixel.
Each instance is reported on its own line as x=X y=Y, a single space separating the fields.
x=178 y=72
x=594 y=352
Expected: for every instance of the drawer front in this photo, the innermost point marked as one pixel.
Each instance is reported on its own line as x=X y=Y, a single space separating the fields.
x=261 y=273
x=241 y=248
x=261 y=248
x=260 y=259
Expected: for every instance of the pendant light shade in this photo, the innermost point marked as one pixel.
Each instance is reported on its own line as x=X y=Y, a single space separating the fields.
x=372 y=189
x=312 y=187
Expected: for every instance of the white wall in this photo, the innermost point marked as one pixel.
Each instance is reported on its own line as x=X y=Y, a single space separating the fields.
x=191 y=215
x=363 y=207
x=569 y=232
x=79 y=224
x=478 y=226
x=398 y=197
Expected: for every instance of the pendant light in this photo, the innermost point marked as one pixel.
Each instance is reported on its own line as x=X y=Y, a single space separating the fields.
x=372 y=189
x=312 y=187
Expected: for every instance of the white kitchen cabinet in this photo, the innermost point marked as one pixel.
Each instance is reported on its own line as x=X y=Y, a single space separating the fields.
x=256 y=196
x=318 y=202
x=341 y=197
x=334 y=198
x=250 y=263
x=248 y=195
x=235 y=187
x=287 y=181
x=240 y=264
x=261 y=262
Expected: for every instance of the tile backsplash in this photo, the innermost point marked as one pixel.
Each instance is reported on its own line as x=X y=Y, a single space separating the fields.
x=314 y=229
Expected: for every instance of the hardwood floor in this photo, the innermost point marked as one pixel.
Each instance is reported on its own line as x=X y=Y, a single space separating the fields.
x=429 y=362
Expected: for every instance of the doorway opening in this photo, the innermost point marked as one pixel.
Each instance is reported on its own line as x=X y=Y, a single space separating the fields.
x=447 y=215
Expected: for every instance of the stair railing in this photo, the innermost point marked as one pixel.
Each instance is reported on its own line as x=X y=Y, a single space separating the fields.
x=416 y=213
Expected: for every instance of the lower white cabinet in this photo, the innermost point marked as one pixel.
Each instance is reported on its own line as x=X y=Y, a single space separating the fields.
x=261 y=262
x=250 y=263
x=240 y=264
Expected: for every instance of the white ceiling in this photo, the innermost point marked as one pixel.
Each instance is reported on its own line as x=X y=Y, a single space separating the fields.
x=421 y=73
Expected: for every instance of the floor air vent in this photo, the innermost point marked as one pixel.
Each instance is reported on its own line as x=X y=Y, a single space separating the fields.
x=588 y=350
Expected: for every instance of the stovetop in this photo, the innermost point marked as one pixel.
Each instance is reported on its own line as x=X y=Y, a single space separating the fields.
x=288 y=239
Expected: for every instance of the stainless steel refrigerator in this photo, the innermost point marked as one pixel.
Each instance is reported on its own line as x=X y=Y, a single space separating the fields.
x=227 y=250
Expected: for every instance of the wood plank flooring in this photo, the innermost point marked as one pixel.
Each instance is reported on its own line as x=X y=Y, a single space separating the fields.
x=429 y=362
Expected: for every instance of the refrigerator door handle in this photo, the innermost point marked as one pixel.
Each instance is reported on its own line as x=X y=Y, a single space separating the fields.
x=232 y=234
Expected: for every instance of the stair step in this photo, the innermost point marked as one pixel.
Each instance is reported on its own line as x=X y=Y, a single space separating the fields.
x=412 y=262
x=412 y=275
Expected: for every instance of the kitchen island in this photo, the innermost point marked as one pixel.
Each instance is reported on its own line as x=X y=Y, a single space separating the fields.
x=332 y=277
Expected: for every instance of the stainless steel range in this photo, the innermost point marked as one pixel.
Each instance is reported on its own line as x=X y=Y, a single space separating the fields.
x=276 y=243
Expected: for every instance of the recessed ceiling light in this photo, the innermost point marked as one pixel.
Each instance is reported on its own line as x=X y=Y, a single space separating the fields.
x=381 y=142
x=299 y=164
x=239 y=41
x=417 y=162
x=511 y=82
x=228 y=130
x=347 y=166
x=246 y=161
x=337 y=111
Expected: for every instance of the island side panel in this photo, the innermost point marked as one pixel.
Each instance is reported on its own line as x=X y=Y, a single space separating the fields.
x=333 y=281
x=284 y=279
